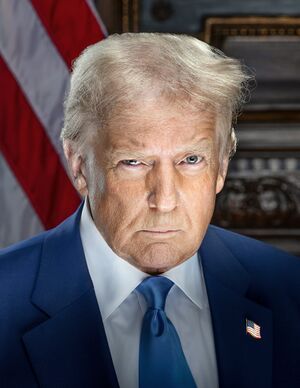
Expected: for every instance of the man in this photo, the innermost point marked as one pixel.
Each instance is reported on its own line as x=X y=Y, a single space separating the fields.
x=136 y=289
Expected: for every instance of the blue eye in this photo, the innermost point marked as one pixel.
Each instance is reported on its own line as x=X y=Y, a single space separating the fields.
x=193 y=159
x=131 y=162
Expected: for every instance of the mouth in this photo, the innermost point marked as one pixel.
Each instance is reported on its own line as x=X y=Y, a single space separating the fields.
x=160 y=232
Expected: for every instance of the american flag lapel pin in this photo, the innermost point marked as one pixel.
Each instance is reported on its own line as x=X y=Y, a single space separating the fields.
x=253 y=329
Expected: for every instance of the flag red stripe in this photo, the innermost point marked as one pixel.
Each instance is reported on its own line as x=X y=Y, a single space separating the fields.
x=71 y=25
x=31 y=156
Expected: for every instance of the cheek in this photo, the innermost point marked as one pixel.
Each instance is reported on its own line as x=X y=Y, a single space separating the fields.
x=117 y=208
x=200 y=201
x=123 y=195
x=201 y=190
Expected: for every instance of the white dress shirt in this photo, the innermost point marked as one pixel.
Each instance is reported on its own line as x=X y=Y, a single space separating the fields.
x=122 y=308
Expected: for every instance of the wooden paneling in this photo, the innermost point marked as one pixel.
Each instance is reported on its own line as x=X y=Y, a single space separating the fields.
x=111 y=14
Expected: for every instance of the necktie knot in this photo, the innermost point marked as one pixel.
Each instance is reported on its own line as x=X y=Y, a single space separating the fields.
x=155 y=290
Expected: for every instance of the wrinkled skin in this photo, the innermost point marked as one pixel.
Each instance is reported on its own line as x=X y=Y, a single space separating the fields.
x=151 y=179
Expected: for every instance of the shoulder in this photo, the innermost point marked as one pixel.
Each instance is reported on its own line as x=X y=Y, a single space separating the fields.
x=16 y=253
x=239 y=243
x=265 y=261
x=19 y=263
x=22 y=255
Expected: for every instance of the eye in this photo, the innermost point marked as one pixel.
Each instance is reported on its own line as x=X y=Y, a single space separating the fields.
x=131 y=162
x=193 y=159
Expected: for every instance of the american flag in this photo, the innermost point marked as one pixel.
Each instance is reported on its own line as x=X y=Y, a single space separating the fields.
x=39 y=39
x=253 y=329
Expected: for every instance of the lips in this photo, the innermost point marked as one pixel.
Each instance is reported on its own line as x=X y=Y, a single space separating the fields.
x=159 y=233
x=161 y=230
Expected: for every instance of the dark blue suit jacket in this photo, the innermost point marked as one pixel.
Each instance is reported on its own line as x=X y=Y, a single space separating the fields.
x=51 y=333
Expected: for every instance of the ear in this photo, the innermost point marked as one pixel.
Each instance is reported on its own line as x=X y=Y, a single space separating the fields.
x=76 y=167
x=222 y=174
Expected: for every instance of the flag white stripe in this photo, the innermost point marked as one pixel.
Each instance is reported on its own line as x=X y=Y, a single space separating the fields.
x=92 y=6
x=20 y=224
x=34 y=60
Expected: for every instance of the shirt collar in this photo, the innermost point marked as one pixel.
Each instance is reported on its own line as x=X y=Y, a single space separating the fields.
x=188 y=276
x=114 y=278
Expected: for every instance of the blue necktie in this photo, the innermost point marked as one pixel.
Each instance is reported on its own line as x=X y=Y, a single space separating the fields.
x=161 y=360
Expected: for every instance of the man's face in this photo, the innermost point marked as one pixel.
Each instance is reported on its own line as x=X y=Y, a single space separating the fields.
x=152 y=182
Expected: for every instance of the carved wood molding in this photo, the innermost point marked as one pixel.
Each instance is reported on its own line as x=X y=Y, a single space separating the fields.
x=216 y=29
x=259 y=202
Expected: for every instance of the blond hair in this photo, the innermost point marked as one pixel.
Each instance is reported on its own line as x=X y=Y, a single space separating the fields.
x=117 y=71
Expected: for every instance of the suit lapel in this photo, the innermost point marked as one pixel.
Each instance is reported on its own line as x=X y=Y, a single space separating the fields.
x=243 y=361
x=70 y=348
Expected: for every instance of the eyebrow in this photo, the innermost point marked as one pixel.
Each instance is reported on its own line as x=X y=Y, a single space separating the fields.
x=204 y=144
x=201 y=145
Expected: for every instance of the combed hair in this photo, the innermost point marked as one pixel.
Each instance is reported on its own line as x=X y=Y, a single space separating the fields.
x=118 y=71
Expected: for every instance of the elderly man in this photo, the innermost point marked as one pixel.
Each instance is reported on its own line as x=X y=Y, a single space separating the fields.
x=120 y=293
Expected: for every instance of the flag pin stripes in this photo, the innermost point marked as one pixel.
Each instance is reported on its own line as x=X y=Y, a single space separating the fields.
x=253 y=329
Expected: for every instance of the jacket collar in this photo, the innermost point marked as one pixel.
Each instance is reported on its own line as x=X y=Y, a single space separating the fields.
x=63 y=275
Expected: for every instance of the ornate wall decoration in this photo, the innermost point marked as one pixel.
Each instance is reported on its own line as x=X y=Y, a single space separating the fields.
x=264 y=202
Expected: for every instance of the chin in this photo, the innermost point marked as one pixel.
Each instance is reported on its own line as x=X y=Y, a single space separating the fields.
x=157 y=258
x=154 y=271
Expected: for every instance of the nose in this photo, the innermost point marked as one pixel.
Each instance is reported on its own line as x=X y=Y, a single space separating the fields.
x=163 y=188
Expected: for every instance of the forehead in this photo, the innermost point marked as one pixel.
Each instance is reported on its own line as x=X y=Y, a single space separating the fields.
x=158 y=124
